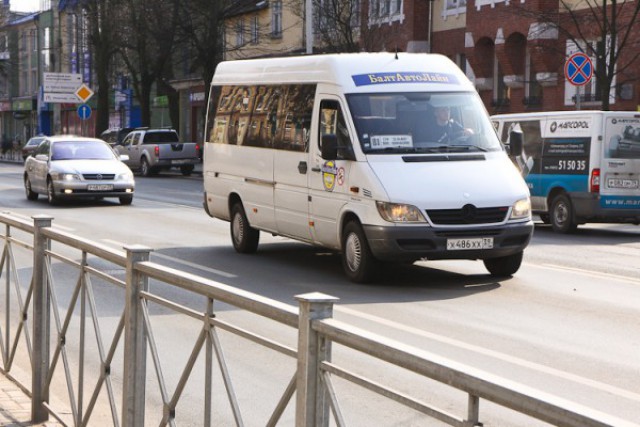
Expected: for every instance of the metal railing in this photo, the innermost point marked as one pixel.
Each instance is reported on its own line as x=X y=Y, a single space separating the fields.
x=317 y=398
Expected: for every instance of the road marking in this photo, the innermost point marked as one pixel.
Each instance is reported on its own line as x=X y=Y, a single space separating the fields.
x=501 y=356
x=180 y=261
x=589 y=273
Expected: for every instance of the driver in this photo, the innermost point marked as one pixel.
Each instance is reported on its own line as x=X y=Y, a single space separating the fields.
x=445 y=128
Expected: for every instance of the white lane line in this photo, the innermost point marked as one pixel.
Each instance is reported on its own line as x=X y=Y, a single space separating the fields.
x=583 y=272
x=180 y=261
x=501 y=356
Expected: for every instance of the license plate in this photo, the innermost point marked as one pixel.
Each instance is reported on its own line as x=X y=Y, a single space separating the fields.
x=469 y=244
x=179 y=162
x=100 y=187
x=622 y=183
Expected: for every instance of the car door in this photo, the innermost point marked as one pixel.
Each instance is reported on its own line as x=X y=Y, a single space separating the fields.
x=130 y=146
x=329 y=178
x=38 y=167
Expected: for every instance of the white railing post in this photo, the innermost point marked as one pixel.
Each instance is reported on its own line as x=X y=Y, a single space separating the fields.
x=41 y=321
x=135 y=345
x=312 y=404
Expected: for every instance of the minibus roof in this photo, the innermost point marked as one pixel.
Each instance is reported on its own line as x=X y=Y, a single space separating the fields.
x=354 y=72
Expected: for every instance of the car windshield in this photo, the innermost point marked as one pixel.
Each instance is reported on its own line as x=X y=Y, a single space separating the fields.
x=392 y=123
x=85 y=150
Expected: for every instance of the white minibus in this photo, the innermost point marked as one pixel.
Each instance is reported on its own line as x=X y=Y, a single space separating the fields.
x=580 y=166
x=383 y=157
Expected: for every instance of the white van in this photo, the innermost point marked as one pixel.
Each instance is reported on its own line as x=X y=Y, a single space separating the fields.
x=340 y=151
x=580 y=166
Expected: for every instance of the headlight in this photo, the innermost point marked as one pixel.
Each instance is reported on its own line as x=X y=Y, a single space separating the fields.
x=396 y=212
x=127 y=176
x=66 y=176
x=521 y=209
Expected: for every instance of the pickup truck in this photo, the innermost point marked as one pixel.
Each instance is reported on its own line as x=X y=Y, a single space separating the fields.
x=153 y=150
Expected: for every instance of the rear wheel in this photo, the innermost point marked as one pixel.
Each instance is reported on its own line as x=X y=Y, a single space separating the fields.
x=145 y=169
x=562 y=215
x=504 y=266
x=31 y=195
x=51 y=193
x=358 y=262
x=245 y=238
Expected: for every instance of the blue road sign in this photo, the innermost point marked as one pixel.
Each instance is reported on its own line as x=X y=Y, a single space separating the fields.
x=84 y=111
x=578 y=69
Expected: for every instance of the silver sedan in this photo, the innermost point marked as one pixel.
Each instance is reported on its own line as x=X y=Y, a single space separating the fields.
x=67 y=167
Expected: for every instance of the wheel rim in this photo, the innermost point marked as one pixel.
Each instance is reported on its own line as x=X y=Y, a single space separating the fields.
x=353 y=252
x=50 y=192
x=561 y=213
x=145 y=168
x=238 y=228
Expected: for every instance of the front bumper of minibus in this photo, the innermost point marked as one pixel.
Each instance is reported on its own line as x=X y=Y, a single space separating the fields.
x=410 y=243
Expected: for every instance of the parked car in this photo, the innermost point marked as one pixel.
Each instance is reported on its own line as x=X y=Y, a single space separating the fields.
x=115 y=136
x=31 y=145
x=67 y=167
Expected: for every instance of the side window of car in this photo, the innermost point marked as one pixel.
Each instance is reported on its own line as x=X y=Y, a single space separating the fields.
x=43 y=148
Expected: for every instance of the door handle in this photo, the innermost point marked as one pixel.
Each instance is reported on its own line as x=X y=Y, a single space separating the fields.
x=316 y=169
x=302 y=167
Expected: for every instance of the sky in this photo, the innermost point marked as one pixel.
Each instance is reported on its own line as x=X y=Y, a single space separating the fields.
x=25 y=5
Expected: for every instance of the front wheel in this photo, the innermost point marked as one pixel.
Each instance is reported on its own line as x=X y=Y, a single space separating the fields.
x=562 y=215
x=358 y=262
x=31 y=195
x=244 y=237
x=51 y=193
x=505 y=265
x=126 y=200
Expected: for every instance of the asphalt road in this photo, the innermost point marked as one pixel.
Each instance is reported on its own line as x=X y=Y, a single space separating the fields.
x=567 y=323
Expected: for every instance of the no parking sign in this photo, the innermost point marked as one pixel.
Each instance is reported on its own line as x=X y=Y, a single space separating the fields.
x=578 y=69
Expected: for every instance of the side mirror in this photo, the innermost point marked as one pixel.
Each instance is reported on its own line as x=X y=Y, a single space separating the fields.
x=329 y=147
x=516 y=142
x=124 y=157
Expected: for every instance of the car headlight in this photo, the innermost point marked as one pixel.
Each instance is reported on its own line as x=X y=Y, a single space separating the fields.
x=397 y=212
x=126 y=176
x=521 y=209
x=60 y=176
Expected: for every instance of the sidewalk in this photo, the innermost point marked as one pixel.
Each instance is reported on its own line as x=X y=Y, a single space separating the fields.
x=15 y=406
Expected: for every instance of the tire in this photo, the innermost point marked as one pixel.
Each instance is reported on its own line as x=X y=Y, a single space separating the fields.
x=244 y=238
x=186 y=170
x=358 y=262
x=545 y=218
x=504 y=266
x=126 y=200
x=561 y=215
x=145 y=169
x=51 y=194
x=31 y=195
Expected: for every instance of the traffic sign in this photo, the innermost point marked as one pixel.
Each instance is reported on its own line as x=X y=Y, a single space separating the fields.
x=578 y=69
x=61 y=82
x=84 y=111
x=84 y=93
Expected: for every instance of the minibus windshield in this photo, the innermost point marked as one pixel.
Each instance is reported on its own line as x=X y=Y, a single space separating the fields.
x=410 y=122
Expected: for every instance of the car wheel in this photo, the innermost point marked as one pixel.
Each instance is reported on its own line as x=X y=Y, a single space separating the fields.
x=545 y=218
x=145 y=169
x=562 y=215
x=358 y=262
x=126 y=200
x=186 y=170
x=244 y=237
x=51 y=193
x=31 y=195
x=504 y=266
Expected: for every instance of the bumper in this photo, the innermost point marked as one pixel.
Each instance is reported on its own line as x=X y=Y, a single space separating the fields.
x=589 y=207
x=413 y=243
x=81 y=190
x=175 y=163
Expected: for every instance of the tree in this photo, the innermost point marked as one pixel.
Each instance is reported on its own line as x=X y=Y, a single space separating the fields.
x=606 y=30
x=148 y=39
